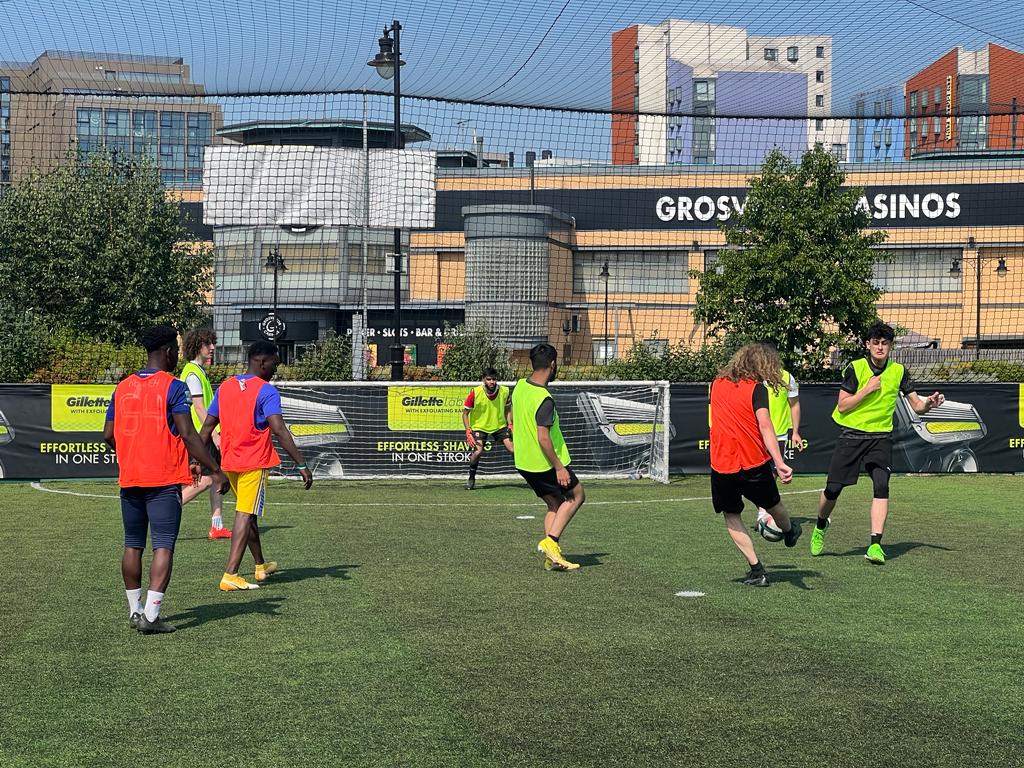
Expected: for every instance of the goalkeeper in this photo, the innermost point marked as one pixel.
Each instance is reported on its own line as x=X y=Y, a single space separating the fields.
x=485 y=416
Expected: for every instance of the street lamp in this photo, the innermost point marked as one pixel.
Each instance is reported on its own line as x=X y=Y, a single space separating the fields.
x=388 y=63
x=956 y=271
x=605 y=274
x=272 y=327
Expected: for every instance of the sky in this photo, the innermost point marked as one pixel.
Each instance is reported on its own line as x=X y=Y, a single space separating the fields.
x=551 y=53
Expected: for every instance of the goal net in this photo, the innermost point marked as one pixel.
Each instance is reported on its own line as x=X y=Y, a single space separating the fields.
x=384 y=430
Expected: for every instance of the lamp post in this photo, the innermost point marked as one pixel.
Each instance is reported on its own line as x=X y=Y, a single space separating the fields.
x=272 y=327
x=605 y=274
x=956 y=271
x=388 y=63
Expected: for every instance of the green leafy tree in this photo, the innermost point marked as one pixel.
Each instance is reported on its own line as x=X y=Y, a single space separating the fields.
x=473 y=348
x=24 y=343
x=97 y=245
x=798 y=266
x=328 y=360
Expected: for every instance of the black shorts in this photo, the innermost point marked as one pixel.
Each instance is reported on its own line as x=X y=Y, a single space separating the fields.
x=215 y=452
x=851 y=453
x=546 y=483
x=757 y=485
x=486 y=438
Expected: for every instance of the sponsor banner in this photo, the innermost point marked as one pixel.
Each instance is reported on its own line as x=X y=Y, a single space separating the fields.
x=415 y=430
x=347 y=431
x=979 y=429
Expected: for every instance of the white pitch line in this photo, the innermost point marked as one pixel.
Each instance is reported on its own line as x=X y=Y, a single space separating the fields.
x=689 y=593
x=428 y=505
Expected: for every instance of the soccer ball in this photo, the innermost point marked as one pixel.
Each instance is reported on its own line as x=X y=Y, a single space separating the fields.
x=767 y=528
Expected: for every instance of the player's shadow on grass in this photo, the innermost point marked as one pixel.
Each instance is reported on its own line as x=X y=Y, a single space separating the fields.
x=196 y=617
x=788 y=574
x=587 y=561
x=892 y=551
x=301 y=574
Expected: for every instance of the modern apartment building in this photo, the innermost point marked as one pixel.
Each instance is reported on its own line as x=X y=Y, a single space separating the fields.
x=877 y=126
x=966 y=104
x=141 y=106
x=723 y=83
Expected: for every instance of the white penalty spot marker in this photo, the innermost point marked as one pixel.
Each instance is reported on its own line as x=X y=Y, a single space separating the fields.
x=689 y=593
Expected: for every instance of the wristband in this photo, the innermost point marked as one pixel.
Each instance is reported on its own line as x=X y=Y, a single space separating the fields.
x=301 y=466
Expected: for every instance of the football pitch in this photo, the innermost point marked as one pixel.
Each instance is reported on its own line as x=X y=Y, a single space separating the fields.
x=412 y=625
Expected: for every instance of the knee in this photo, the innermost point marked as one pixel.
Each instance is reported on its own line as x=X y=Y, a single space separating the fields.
x=832 y=491
x=880 y=483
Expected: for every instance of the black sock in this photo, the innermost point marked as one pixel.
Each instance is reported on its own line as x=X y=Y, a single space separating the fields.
x=472 y=470
x=876 y=538
x=757 y=567
x=822 y=523
x=553 y=538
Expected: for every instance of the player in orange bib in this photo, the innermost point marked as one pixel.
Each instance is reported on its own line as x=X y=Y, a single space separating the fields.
x=743 y=447
x=149 y=425
x=248 y=409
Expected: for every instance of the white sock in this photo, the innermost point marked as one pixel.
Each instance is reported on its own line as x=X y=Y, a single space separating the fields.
x=153 y=600
x=218 y=522
x=134 y=600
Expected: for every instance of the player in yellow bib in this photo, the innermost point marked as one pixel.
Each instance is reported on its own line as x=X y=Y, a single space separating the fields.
x=542 y=457
x=784 y=410
x=200 y=346
x=485 y=415
x=867 y=400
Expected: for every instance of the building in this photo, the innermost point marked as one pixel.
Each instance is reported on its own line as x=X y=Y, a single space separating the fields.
x=330 y=272
x=705 y=72
x=533 y=251
x=138 y=106
x=966 y=104
x=877 y=128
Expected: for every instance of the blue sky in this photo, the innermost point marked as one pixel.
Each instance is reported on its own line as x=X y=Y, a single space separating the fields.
x=547 y=52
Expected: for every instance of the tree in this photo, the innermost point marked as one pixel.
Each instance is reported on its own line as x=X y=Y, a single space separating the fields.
x=473 y=348
x=96 y=245
x=798 y=266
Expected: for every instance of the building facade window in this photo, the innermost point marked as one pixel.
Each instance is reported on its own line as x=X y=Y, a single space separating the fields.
x=117 y=129
x=704 y=100
x=819 y=76
x=839 y=152
x=819 y=52
x=913 y=103
x=888 y=107
x=89 y=130
x=937 y=100
x=771 y=54
x=5 y=130
x=631 y=272
x=819 y=124
x=792 y=53
x=918 y=270
x=144 y=134
x=972 y=103
x=819 y=100
x=924 y=101
x=878 y=139
x=888 y=137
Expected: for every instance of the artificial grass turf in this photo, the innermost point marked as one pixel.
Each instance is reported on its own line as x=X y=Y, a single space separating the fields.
x=413 y=625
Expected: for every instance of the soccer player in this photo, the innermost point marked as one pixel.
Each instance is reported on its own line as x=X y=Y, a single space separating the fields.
x=743 y=448
x=784 y=409
x=248 y=409
x=867 y=401
x=541 y=455
x=149 y=426
x=485 y=416
x=200 y=345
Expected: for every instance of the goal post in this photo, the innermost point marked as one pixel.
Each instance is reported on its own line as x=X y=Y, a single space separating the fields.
x=370 y=430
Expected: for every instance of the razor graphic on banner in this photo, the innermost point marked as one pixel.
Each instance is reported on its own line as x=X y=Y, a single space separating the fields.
x=973 y=431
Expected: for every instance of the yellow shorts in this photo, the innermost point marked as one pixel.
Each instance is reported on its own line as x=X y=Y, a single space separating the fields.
x=250 y=489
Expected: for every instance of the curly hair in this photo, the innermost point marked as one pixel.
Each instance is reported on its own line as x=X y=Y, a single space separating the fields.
x=759 y=362
x=196 y=339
